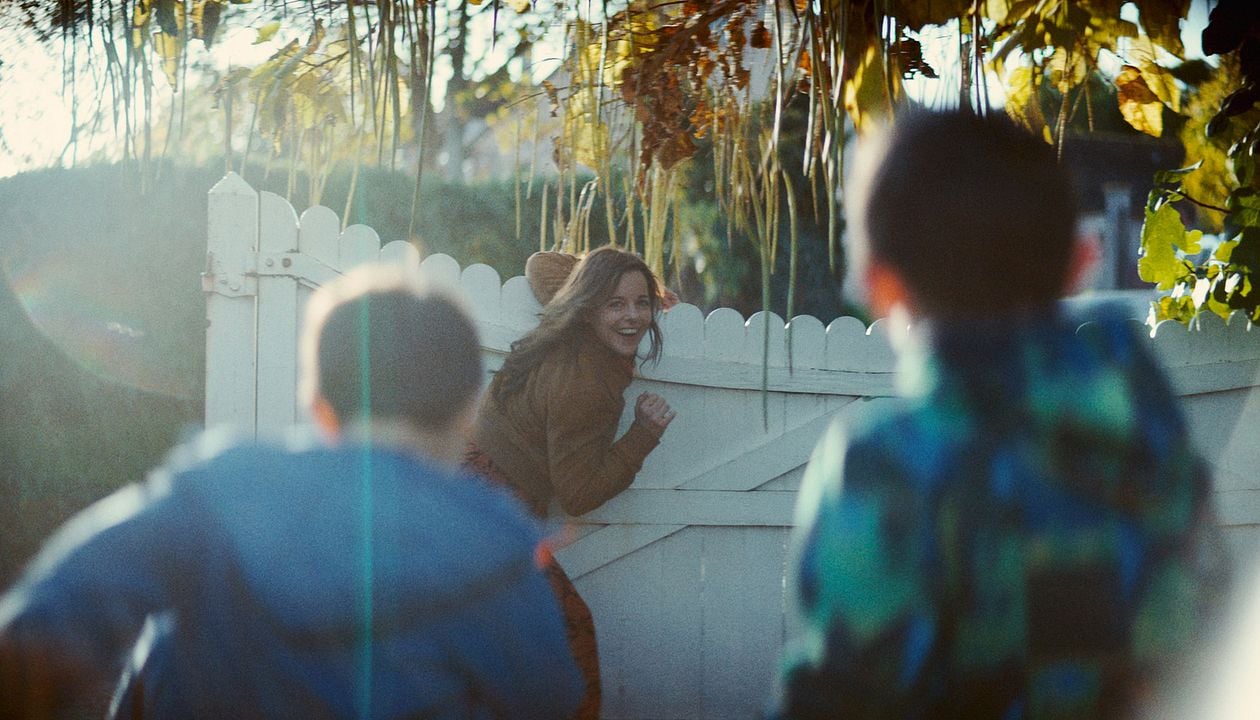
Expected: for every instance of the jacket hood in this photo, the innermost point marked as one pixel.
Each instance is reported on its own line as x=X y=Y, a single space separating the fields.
x=328 y=541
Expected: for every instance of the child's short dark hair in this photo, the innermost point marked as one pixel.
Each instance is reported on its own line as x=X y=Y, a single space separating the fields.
x=379 y=344
x=973 y=212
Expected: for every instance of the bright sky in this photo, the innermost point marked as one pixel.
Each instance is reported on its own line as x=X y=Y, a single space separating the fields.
x=37 y=109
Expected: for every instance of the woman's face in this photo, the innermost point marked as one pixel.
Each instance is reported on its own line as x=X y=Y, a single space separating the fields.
x=625 y=315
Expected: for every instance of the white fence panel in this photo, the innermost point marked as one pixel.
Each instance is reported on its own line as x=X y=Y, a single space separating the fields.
x=684 y=570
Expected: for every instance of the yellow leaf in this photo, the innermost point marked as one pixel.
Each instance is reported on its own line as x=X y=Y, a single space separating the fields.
x=304 y=90
x=1144 y=54
x=169 y=48
x=141 y=13
x=1140 y=107
x=586 y=134
x=1162 y=21
x=1104 y=32
x=1162 y=83
x=266 y=32
x=996 y=10
x=205 y=19
x=1067 y=69
x=1023 y=104
x=866 y=92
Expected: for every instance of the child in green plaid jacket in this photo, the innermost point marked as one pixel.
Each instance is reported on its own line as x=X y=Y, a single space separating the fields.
x=1027 y=532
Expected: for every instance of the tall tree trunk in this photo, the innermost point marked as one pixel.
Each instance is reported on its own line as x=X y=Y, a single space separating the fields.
x=452 y=124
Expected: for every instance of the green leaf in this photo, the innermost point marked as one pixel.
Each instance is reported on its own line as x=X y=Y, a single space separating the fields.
x=1244 y=206
x=1174 y=177
x=1163 y=234
x=1180 y=309
x=1225 y=250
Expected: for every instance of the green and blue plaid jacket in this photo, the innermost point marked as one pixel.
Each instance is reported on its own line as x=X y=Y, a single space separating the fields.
x=1026 y=534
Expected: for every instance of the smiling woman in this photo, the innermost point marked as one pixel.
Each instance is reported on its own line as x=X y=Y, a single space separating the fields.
x=547 y=427
x=625 y=316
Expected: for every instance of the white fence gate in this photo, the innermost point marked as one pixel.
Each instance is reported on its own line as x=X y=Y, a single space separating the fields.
x=684 y=571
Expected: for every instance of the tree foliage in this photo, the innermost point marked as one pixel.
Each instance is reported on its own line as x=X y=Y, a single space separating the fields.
x=643 y=83
x=1222 y=139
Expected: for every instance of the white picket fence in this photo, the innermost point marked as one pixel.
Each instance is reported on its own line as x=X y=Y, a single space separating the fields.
x=684 y=571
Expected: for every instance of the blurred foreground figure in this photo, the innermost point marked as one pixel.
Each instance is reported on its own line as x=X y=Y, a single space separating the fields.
x=1027 y=532
x=361 y=577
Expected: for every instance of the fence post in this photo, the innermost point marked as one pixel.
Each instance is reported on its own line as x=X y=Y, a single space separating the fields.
x=231 y=287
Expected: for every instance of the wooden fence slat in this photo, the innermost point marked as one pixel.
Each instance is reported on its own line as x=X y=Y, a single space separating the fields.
x=647 y=613
x=724 y=334
x=232 y=239
x=402 y=253
x=320 y=235
x=755 y=349
x=684 y=442
x=683 y=325
x=761 y=462
x=357 y=245
x=441 y=269
x=483 y=292
x=846 y=338
x=742 y=596
x=877 y=351
x=807 y=343
x=520 y=308
x=277 y=320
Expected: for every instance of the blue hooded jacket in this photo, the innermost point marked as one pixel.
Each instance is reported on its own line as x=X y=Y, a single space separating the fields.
x=319 y=582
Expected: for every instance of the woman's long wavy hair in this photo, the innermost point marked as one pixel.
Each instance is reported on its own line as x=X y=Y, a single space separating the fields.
x=570 y=313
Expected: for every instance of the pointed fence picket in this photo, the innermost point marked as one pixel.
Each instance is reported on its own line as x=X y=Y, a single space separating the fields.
x=684 y=571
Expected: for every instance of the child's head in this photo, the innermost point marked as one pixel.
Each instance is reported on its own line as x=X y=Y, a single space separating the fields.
x=970 y=215
x=378 y=344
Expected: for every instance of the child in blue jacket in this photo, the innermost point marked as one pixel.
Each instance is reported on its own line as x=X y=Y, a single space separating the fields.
x=361 y=576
